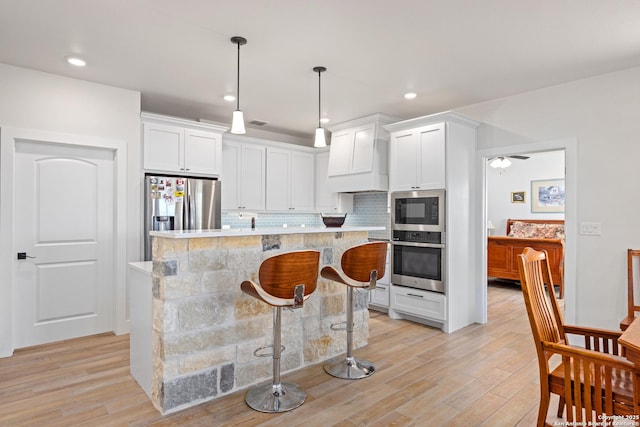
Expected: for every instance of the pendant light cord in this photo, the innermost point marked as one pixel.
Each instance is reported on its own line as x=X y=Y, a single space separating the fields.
x=238 y=81
x=319 y=96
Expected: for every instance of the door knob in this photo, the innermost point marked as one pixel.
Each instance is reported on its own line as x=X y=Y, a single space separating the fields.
x=23 y=255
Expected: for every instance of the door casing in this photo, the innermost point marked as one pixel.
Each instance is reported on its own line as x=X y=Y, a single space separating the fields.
x=8 y=138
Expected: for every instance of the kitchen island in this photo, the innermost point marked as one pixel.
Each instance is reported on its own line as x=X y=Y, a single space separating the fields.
x=204 y=330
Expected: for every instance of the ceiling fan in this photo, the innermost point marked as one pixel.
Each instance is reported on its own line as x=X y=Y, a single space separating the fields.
x=503 y=161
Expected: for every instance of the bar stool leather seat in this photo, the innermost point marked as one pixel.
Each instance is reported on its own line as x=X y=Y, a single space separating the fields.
x=285 y=281
x=362 y=265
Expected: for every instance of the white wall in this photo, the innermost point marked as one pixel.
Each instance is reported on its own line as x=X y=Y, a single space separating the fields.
x=41 y=101
x=517 y=177
x=602 y=114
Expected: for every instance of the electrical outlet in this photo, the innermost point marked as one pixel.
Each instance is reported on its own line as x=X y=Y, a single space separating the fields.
x=590 y=228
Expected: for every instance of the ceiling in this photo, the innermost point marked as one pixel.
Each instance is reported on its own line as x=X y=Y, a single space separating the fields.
x=452 y=53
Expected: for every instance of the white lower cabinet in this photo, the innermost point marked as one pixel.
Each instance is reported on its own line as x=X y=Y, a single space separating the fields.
x=140 y=345
x=379 y=297
x=416 y=302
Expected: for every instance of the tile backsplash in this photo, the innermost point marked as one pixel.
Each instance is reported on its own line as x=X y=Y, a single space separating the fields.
x=368 y=209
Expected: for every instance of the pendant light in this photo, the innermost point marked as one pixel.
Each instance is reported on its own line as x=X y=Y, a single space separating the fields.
x=319 y=140
x=237 y=124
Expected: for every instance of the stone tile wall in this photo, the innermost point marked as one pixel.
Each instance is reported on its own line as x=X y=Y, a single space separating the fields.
x=205 y=330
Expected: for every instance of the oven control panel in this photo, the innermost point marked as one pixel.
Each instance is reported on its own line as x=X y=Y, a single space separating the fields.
x=434 y=237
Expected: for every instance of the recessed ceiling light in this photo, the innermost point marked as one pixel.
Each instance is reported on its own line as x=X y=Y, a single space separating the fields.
x=410 y=95
x=78 y=62
x=229 y=98
x=325 y=120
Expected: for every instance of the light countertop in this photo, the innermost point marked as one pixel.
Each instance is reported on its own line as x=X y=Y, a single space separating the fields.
x=189 y=234
x=143 y=266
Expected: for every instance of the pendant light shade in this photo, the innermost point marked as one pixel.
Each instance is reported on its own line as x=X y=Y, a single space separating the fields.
x=237 y=125
x=320 y=138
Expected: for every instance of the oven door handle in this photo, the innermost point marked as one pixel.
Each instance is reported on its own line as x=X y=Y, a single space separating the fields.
x=418 y=245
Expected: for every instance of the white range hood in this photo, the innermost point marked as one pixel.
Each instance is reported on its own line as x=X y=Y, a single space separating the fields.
x=358 y=157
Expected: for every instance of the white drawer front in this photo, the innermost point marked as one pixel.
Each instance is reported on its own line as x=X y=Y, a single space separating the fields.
x=419 y=303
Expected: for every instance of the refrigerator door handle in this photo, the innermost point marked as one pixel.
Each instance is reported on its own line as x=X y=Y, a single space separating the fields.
x=192 y=212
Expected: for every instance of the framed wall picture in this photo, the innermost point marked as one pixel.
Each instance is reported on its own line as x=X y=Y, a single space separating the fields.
x=547 y=195
x=518 y=196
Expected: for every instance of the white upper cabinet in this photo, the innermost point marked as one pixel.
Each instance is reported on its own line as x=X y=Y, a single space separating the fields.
x=202 y=152
x=290 y=180
x=358 y=156
x=303 y=181
x=243 y=176
x=417 y=160
x=328 y=201
x=181 y=146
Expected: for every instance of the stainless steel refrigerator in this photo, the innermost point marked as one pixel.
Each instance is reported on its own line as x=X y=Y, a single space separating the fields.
x=179 y=203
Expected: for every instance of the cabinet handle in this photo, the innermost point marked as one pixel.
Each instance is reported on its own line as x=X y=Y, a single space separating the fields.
x=187 y=169
x=414 y=295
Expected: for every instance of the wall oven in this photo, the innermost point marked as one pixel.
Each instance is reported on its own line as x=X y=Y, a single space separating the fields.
x=417 y=259
x=418 y=237
x=421 y=210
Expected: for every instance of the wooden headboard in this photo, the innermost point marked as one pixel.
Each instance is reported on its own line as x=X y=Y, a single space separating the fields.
x=533 y=221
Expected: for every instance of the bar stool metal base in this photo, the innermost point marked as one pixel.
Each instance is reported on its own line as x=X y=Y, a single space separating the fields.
x=349 y=368
x=274 y=398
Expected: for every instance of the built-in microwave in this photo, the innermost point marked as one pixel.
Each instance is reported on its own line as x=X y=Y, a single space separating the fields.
x=420 y=210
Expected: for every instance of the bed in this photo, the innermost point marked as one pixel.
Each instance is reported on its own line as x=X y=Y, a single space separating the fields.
x=547 y=234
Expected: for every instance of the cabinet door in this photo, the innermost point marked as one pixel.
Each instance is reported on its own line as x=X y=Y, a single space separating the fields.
x=340 y=153
x=163 y=147
x=302 y=186
x=230 y=175
x=431 y=173
x=404 y=161
x=326 y=201
x=252 y=177
x=380 y=295
x=202 y=152
x=363 y=149
x=278 y=179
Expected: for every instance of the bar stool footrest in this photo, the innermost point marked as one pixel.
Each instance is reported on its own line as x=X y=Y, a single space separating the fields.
x=275 y=398
x=259 y=352
x=349 y=368
x=340 y=326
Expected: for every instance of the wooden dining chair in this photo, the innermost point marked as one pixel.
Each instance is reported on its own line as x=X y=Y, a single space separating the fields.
x=591 y=381
x=633 y=261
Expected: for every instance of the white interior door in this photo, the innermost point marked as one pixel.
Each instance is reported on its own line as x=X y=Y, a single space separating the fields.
x=64 y=222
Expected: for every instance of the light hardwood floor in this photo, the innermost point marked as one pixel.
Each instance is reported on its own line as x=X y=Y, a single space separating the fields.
x=482 y=375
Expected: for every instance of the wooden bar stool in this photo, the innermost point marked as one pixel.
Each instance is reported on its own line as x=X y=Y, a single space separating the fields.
x=286 y=281
x=362 y=265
